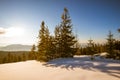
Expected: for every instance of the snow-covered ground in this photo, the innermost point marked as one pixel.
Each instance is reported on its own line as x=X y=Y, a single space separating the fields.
x=77 y=68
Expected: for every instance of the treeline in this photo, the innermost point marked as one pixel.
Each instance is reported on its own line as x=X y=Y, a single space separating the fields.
x=14 y=56
x=112 y=47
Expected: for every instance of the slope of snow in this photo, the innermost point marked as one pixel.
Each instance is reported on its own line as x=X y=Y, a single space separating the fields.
x=77 y=68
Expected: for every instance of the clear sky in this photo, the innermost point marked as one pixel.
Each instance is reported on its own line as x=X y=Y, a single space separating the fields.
x=20 y=19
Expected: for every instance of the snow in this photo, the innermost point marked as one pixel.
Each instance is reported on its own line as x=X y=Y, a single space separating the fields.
x=77 y=68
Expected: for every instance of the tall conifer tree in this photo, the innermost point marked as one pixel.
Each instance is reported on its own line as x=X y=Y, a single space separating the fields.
x=45 y=44
x=110 y=44
x=65 y=37
x=42 y=43
x=32 y=54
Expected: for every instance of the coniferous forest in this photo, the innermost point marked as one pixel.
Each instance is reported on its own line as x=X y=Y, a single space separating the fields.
x=63 y=44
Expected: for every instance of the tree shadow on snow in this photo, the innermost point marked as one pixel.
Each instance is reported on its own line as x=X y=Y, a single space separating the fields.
x=87 y=64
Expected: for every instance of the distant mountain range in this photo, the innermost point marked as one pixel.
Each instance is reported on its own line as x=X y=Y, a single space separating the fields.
x=16 y=47
x=19 y=47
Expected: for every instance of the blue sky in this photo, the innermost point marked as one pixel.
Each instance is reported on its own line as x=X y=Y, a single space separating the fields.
x=90 y=19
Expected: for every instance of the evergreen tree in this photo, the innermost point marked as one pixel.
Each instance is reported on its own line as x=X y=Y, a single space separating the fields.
x=110 y=45
x=65 y=39
x=19 y=58
x=50 y=48
x=16 y=58
x=58 y=41
x=41 y=43
x=117 y=47
x=91 y=48
x=77 y=48
x=5 y=60
x=118 y=42
x=32 y=54
x=45 y=44
x=119 y=30
x=9 y=57
x=24 y=57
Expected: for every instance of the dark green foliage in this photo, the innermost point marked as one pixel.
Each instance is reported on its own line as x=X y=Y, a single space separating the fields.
x=91 y=48
x=110 y=45
x=113 y=47
x=119 y=30
x=46 y=47
x=24 y=57
x=50 y=47
x=77 y=48
x=64 y=37
x=94 y=49
x=117 y=45
x=15 y=56
x=116 y=51
x=5 y=60
x=32 y=54
x=58 y=41
x=19 y=58
x=42 y=43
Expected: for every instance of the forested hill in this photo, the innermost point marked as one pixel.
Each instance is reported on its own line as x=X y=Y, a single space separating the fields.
x=16 y=47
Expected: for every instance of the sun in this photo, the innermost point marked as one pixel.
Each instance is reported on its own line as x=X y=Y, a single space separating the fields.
x=14 y=32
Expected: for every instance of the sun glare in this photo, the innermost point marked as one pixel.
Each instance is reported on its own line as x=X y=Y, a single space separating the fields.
x=14 y=32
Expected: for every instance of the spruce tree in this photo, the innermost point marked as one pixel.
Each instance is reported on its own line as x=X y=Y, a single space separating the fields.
x=91 y=48
x=23 y=57
x=119 y=30
x=45 y=44
x=32 y=54
x=41 y=43
x=110 y=45
x=65 y=39
x=50 y=47
x=58 y=41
